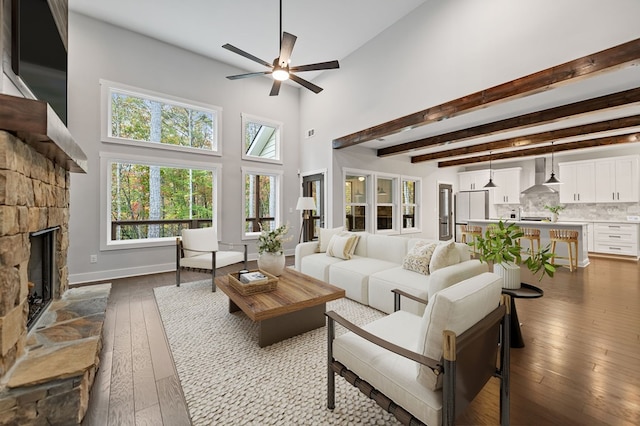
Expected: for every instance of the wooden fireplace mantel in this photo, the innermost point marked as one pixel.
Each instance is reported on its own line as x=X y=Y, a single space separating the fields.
x=37 y=124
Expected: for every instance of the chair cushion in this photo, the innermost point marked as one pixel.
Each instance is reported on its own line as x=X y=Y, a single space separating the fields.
x=392 y=374
x=445 y=254
x=454 y=308
x=202 y=239
x=203 y=261
x=324 y=236
x=419 y=257
x=342 y=245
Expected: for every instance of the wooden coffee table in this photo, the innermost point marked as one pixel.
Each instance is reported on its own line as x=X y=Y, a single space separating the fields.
x=296 y=306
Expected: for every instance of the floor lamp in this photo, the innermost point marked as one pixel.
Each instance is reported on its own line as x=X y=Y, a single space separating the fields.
x=306 y=204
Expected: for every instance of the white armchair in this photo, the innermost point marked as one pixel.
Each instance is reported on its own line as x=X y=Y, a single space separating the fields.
x=427 y=369
x=198 y=249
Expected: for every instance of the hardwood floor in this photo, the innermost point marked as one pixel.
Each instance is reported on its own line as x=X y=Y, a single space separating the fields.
x=580 y=365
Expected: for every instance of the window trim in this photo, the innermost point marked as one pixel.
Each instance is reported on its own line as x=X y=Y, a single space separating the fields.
x=417 y=228
x=244 y=118
x=108 y=87
x=279 y=175
x=107 y=158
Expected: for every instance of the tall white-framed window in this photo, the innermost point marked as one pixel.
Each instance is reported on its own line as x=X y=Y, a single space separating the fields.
x=386 y=211
x=147 y=201
x=135 y=116
x=410 y=189
x=356 y=200
x=262 y=201
x=262 y=139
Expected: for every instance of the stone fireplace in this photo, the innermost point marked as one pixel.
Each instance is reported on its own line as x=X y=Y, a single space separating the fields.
x=45 y=373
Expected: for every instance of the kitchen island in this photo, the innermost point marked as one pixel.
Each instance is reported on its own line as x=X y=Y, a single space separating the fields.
x=544 y=227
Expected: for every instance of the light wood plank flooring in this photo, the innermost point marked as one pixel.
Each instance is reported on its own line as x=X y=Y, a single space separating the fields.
x=580 y=365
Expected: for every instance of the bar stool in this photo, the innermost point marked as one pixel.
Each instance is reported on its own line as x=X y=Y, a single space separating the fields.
x=473 y=231
x=564 y=236
x=533 y=235
x=492 y=228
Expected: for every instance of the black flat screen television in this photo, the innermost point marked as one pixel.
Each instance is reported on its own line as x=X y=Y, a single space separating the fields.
x=38 y=54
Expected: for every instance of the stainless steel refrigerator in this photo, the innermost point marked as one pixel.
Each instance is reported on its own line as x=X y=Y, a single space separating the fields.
x=470 y=205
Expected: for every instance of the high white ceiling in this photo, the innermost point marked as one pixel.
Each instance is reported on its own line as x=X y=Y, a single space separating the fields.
x=326 y=30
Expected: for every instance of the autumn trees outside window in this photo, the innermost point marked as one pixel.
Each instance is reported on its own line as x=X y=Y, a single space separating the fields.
x=262 y=206
x=151 y=197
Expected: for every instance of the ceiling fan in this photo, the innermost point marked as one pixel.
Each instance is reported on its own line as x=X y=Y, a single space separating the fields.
x=280 y=69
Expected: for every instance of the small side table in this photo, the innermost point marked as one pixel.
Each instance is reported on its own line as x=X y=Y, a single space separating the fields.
x=526 y=291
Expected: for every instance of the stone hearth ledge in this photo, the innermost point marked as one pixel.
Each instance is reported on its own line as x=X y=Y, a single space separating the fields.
x=63 y=346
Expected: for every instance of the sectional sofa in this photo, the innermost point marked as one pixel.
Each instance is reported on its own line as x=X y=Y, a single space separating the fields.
x=379 y=264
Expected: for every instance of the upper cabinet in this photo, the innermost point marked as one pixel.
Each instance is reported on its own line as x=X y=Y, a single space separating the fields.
x=610 y=180
x=507 y=190
x=578 y=182
x=473 y=181
x=617 y=180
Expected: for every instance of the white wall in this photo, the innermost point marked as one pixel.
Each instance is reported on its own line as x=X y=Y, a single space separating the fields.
x=444 y=50
x=102 y=51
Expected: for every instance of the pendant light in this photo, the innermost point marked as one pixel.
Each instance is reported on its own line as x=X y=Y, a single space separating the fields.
x=490 y=184
x=552 y=180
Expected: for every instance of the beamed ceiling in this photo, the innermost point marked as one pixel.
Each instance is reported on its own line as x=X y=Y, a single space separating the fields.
x=586 y=103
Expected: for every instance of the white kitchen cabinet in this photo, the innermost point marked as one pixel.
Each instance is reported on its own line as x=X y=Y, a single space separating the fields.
x=473 y=181
x=507 y=189
x=591 y=233
x=617 y=180
x=578 y=182
x=616 y=238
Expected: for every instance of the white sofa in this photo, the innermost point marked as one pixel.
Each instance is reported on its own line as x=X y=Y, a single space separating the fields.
x=376 y=268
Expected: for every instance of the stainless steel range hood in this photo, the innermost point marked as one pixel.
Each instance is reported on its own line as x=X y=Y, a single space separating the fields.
x=539 y=188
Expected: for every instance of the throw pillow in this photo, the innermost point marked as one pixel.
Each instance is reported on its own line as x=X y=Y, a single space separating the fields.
x=419 y=257
x=342 y=245
x=324 y=236
x=444 y=255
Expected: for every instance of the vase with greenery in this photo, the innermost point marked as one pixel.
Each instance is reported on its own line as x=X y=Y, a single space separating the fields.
x=270 y=252
x=555 y=211
x=500 y=245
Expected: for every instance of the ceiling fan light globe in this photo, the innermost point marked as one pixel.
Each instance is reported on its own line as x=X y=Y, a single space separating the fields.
x=280 y=74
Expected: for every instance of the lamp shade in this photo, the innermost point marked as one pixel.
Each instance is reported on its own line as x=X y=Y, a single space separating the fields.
x=553 y=180
x=306 y=203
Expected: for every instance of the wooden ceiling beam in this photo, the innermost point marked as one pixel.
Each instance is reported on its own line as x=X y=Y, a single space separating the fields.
x=536 y=118
x=604 y=61
x=590 y=143
x=534 y=139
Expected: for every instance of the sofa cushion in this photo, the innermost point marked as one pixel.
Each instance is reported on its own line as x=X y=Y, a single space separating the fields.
x=418 y=258
x=392 y=374
x=342 y=245
x=324 y=236
x=353 y=276
x=454 y=308
x=445 y=254
x=381 y=283
x=317 y=265
x=386 y=247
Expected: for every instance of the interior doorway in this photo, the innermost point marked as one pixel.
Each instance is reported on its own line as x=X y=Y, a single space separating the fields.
x=445 y=211
x=313 y=186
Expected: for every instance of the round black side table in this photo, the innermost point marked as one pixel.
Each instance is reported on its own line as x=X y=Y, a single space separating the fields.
x=526 y=291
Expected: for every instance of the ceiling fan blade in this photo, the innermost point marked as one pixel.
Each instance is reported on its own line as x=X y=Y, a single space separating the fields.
x=315 y=67
x=247 y=75
x=305 y=83
x=246 y=55
x=286 y=47
x=275 y=89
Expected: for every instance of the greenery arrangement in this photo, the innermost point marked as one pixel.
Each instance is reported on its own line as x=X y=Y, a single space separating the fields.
x=271 y=241
x=555 y=209
x=500 y=245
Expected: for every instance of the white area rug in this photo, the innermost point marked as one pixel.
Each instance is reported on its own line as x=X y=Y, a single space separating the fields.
x=228 y=379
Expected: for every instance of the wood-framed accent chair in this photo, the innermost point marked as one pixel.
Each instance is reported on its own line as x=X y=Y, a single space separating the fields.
x=426 y=370
x=198 y=249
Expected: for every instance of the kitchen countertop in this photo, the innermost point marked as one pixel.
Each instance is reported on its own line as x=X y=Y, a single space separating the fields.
x=530 y=222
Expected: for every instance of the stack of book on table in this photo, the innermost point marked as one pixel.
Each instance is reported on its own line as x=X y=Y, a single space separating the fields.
x=253 y=278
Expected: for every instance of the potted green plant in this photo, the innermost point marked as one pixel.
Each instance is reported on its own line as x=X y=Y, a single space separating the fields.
x=270 y=253
x=555 y=211
x=500 y=245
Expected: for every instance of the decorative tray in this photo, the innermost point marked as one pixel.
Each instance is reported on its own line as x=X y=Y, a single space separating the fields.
x=247 y=289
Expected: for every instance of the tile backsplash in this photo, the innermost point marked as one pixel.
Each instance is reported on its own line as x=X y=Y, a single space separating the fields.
x=533 y=205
